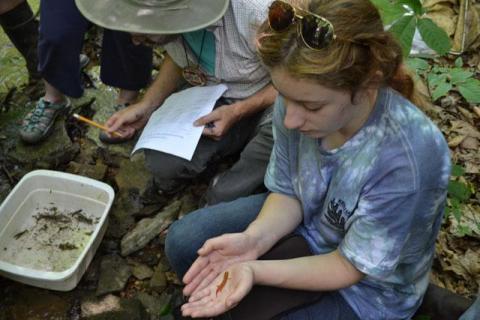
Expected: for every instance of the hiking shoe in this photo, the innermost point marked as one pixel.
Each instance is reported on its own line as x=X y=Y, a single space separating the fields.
x=38 y=124
x=111 y=139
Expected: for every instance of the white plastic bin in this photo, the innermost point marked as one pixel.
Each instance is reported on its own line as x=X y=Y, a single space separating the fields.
x=51 y=224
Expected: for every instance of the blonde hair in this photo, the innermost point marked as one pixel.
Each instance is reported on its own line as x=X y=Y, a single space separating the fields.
x=350 y=62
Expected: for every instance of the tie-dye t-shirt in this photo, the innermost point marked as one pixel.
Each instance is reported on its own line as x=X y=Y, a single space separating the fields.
x=379 y=199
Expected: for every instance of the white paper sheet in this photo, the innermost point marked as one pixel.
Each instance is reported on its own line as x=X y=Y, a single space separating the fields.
x=170 y=128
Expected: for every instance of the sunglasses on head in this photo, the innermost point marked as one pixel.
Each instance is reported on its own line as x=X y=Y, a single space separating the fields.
x=315 y=31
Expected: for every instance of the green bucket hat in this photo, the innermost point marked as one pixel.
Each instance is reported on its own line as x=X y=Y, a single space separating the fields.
x=153 y=16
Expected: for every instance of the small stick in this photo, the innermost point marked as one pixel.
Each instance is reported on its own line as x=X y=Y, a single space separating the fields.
x=95 y=124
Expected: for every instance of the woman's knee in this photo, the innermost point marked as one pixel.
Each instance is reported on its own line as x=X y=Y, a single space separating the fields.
x=181 y=246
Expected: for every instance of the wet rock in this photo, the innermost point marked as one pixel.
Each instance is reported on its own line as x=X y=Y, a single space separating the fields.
x=108 y=303
x=75 y=311
x=189 y=204
x=149 y=255
x=114 y=274
x=155 y=305
x=110 y=246
x=172 y=278
x=113 y=308
x=149 y=228
x=158 y=282
x=96 y=171
x=90 y=278
x=149 y=210
x=57 y=149
x=5 y=187
x=38 y=305
x=133 y=174
x=104 y=108
x=121 y=218
x=163 y=264
x=140 y=270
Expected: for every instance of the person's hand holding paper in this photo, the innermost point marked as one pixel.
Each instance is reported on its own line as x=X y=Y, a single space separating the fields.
x=171 y=128
x=218 y=122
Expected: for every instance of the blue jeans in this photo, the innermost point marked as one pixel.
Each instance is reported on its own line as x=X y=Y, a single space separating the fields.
x=473 y=312
x=187 y=235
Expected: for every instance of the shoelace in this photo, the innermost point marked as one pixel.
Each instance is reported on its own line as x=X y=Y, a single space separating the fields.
x=36 y=116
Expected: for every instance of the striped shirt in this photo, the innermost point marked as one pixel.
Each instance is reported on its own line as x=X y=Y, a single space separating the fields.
x=237 y=64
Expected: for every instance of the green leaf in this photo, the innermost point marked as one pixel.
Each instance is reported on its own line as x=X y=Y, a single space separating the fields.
x=459 y=62
x=439 y=69
x=459 y=190
x=470 y=90
x=441 y=90
x=415 y=5
x=434 y=80
x=458 y=75
x=417 y=64
x=457 y=214
x=404 y=29
x=390 y=12
x=434 y=36
x=457 y=171
x=464 y=230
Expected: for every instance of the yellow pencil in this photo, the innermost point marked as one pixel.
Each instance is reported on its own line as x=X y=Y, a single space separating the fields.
x=95 y=124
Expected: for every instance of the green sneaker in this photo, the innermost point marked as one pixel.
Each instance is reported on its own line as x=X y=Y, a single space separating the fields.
x=38 y=124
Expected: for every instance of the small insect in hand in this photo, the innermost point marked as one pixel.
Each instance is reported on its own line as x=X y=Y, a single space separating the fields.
x=222 y=284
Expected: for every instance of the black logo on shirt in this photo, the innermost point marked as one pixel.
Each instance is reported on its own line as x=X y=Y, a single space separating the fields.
x=337 y=213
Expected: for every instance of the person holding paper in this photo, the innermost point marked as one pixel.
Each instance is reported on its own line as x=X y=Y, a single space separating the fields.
x=207 y=42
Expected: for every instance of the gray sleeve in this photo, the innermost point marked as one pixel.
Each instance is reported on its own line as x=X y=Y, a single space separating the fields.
x=278 y=176
x=176 y=51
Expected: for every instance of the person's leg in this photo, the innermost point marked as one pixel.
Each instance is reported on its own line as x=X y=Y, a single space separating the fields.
x=331 y=306
x=171 y=172
x=247 y=174
x=442 y=304
x=473 y=312
x=21 y=27
x=62 y=29
x=188 y=234
x=124 y=65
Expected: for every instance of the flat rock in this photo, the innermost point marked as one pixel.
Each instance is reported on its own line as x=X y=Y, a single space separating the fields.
x=37 y=304
x=96 y=171
x=55 y=150
x=158 y=282
x=140 y=271
x=121 y=217
x=104 y=108
x=155 y=305
x=149 y=228
x=114 y=274
x=133 y=174
x=113 y=308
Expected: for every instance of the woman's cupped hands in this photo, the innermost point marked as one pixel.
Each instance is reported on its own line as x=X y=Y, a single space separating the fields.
x=221 y=276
